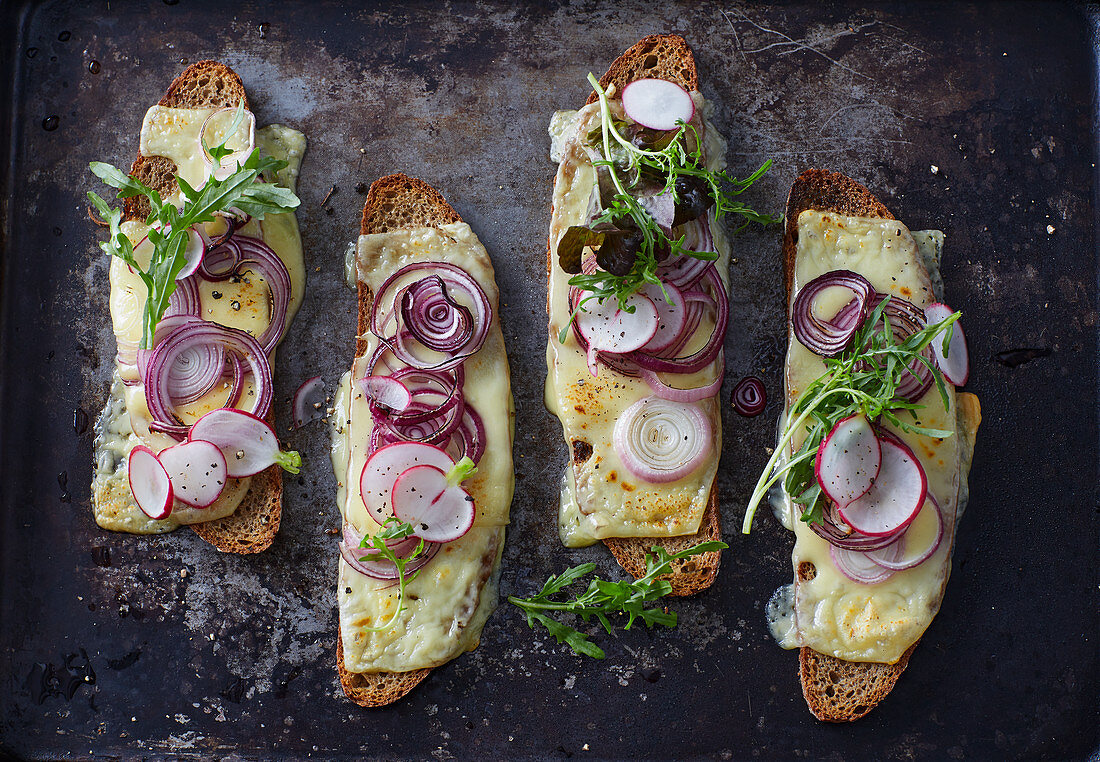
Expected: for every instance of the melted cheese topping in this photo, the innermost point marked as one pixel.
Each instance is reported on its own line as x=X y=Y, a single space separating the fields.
x=600 y=497
x=830 y=613
x=244 y=304
x=447 y=603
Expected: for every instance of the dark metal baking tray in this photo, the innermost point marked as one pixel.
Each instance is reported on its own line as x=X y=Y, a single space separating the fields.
x=978 y=119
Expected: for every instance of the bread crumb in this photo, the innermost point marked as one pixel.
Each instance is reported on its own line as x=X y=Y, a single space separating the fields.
x=1050 y=230
x=935 y=169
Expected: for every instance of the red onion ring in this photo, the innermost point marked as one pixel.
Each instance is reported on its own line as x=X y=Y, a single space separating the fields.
x=693 y=394
x=384 y=569
x=826 y=337
x=749 y=397
x=159 y=391
x=433 y=318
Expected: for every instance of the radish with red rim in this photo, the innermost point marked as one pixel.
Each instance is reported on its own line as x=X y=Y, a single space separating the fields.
x=309 y=402
x=385 y=464
x=387 y=391
x=438 y=510
x=197 y=470
x=247 y=442
x=895 y=498
x=657 y=103
x=149 y=483
x=607 y=328
x=955 y=364
x=193 y=252
x=848 y=460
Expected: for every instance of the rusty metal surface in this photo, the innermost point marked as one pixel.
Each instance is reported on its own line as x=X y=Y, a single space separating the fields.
x=975 y=119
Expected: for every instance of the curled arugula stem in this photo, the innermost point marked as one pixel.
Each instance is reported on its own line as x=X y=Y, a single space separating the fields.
x=602 y=598
x=393 y=529
x=169 y=238
x=863 y=379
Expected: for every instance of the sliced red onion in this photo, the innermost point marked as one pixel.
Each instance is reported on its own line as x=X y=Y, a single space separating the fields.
x=908 y=553
x=858 y=567
x=185 y=299
x=683 y=271
x=749 y=397
x=241 y=253
x=194 y=371
x=424 y=387
x=159 y=390
x=469 y=437
x=388 y=325
x=833 y=530
x=693 y=394
x=824 y=336
x=384 y=569
x=906 y=319
x=401 y=547
x=433 y=318
x=661 y=441
x=309 y=402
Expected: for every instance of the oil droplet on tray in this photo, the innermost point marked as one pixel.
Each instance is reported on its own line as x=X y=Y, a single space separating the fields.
x=50 y=123
x=64 y=36
x=94 y=67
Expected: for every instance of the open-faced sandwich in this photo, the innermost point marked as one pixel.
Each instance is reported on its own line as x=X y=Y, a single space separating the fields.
x=206 y=274
x=422 y=445
x=638 y=307
x=870 y=471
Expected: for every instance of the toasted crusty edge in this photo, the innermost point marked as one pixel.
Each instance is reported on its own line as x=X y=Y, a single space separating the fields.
x=210 y=84
x=393 y=202
x=837 y=690
x=662 y=56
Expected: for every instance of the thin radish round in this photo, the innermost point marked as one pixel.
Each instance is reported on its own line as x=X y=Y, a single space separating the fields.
x=247 y=442
x=848 y=460
x=919 y=541
x=437 y=511
x=387 y=391
x=193 y=252
x=857 y=566
x=671 y=317
x=610 y=329
x=149 y=483
x=956 y=363
x=387 y=463
x=896 y=496
x=657 y=103
x=197 y=470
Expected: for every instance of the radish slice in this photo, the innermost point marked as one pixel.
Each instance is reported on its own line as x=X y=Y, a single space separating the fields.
x=149 y=483
x=197 y=470
x=438 y=512
x=387 y=391
x=896 y=496
x=192 y=253
x=610 y=329
x=670 y=317
x=387 y=463
x=309 y=402
x=858 y=567
x=917 y=544
x=247 y=442
x=848 y=460
x=657 y=103
x=956 y=364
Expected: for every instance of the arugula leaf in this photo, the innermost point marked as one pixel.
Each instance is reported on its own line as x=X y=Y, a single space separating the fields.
x=603 y=598
x=861 y=380
x=170 y=225
x=671 y=158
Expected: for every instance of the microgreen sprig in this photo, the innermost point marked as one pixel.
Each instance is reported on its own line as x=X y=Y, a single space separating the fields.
x=169 y=225
x=393 y=529
x=862 y=380
x=602 y=599
x=677 y=159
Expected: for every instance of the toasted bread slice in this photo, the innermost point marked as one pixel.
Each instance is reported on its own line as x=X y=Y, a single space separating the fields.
x=837 y=690
x=393 y=202
x=210 y=84
x=662 y=56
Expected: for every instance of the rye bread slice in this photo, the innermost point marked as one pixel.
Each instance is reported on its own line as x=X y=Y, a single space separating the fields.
x=835 y=690
x=393 y=202
x=211 y=84
x=662 y=56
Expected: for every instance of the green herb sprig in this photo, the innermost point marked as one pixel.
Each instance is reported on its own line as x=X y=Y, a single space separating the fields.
x=169 y=225
x=393 y=529
x=862 y=380
x=675 y=160
x=602 y=599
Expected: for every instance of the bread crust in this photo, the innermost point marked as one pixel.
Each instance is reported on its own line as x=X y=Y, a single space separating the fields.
x=393 y=202
x=212 y=84
x=661 y=56
x=836 y=690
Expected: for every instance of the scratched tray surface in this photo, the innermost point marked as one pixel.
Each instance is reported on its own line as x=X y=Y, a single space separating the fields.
x=975 y=120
